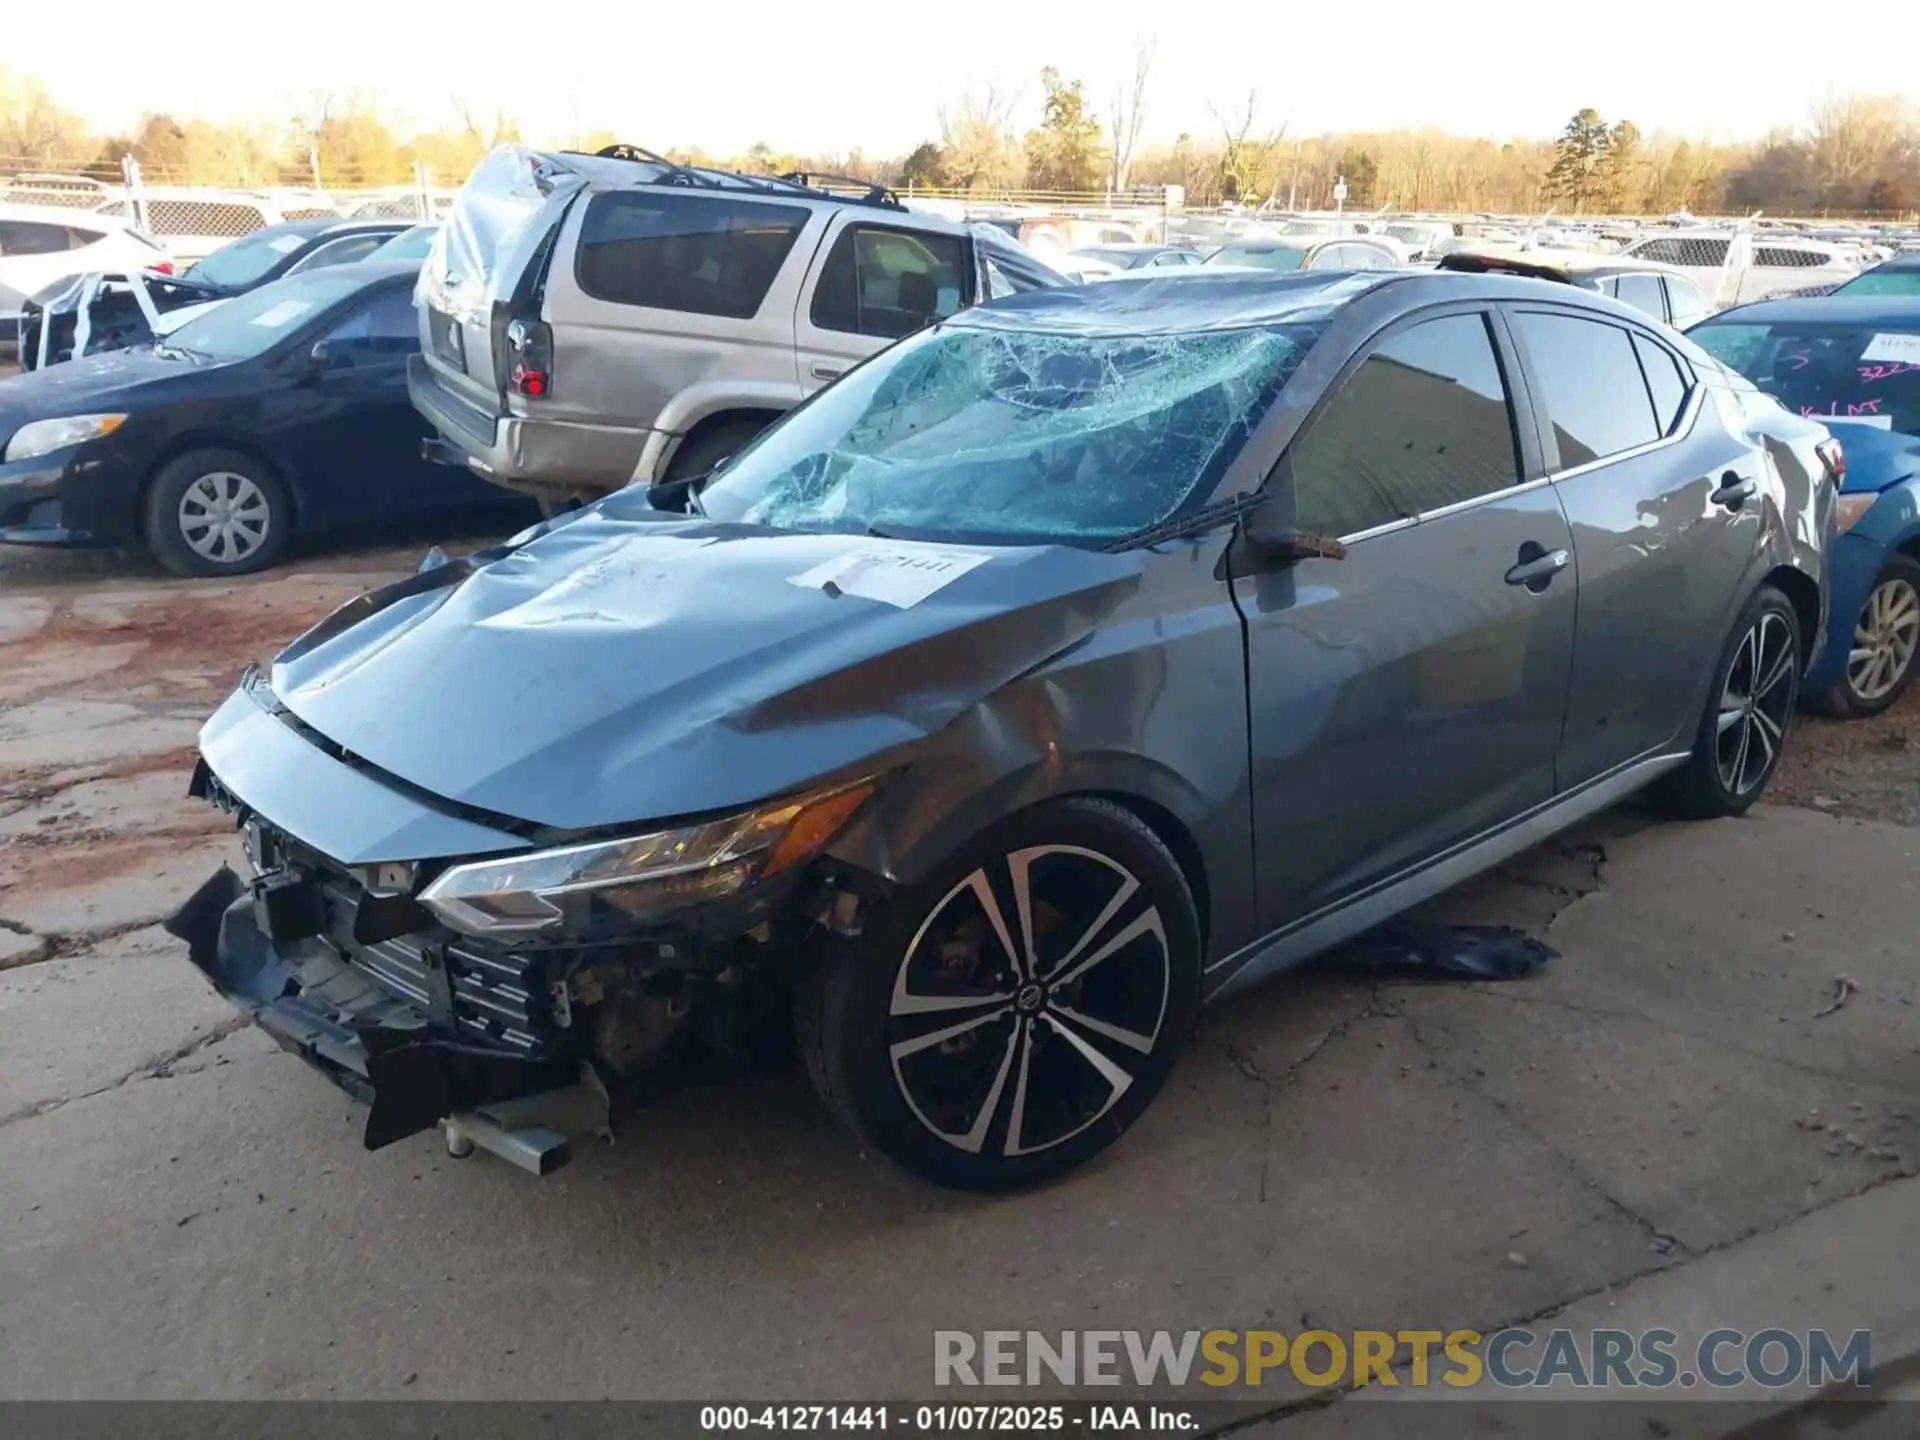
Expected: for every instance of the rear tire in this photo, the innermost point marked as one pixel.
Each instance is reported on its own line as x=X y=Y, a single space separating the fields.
x=937 y=1042
x=1748 y=714
x=217 y=512
x=1886 y=637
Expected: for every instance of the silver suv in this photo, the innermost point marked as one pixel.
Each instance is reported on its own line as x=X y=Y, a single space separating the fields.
x=591 y=321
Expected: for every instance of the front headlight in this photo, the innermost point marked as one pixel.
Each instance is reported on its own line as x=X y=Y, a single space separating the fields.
x=43 y=437
x=641 y=879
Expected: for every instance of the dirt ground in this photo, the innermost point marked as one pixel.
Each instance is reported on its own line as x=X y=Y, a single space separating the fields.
x=185 y=1211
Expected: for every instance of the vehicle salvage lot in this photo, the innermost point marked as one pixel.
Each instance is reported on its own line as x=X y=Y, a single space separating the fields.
x=185 y=1211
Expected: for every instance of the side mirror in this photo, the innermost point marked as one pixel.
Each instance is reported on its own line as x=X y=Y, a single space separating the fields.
x=323 y=356
x=1268 y=543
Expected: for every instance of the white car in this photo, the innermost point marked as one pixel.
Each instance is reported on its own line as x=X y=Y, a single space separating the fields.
x=1735 y=266
x=41 y=245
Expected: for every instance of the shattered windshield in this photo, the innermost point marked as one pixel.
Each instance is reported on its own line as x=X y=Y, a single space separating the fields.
x=1015 y=435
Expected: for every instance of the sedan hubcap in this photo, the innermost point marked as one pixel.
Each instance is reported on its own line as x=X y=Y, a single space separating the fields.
x=1755 y=705
x=1029 y=1000
x=224 y=517
x=1883 y=640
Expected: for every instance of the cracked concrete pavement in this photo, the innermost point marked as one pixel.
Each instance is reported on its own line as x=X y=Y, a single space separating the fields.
x=185 y=1211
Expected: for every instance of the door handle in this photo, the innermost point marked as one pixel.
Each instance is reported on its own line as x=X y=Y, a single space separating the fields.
x=1735 y=490
x=1537 y=567
x=821 y=371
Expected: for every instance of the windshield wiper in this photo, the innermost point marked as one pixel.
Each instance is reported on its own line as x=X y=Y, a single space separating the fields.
x=1194 y=522
x=677 y=494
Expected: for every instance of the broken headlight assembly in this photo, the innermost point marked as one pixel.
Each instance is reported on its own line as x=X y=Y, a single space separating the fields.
x=641 y=879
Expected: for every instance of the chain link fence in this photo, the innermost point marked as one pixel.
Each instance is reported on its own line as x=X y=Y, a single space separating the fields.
x=193 y=219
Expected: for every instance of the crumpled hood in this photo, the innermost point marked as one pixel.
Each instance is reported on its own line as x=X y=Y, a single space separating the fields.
x=627 y=667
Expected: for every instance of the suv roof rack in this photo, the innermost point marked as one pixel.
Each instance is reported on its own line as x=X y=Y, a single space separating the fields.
x=869 y=193
x=707 y=177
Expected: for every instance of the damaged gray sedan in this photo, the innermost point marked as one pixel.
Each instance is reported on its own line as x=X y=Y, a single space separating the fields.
x=1076 y=661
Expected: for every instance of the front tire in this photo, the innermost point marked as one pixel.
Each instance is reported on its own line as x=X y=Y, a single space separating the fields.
x=1013 y=1016
x=1883 y=644
x=217 y=512
x=1749 y=711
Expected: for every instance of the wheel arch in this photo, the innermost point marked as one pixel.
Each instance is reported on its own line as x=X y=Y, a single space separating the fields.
x=901 y=843
x=718 y=420
x=1803 y=593
x=190 y=441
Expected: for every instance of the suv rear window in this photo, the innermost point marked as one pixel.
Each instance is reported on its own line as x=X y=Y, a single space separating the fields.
x=708 y=256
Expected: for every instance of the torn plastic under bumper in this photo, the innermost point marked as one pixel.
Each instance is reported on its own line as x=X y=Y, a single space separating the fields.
x=377 y=1050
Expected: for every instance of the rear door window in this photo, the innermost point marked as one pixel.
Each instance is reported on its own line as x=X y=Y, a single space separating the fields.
x=1643 y=293
x=1666 y=382
x=889 y=283
x=1423 y=423
x=1594 y=394
x=706 y=256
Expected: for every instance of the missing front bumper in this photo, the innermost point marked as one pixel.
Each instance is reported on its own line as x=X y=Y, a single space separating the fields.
x=376 y=1047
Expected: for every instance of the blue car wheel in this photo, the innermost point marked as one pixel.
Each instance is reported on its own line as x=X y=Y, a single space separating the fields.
x=1885 y=637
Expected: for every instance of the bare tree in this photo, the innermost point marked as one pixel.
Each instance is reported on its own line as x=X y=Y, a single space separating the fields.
x=1850 y=136
x=1245 y=158
x=1128 y=111
x=977 y=136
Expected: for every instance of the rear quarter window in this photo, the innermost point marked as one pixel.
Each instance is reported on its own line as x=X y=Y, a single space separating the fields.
x=704 y=255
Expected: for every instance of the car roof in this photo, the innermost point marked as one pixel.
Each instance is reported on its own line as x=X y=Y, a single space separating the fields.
x=1826 y=310
x=610 y=172
x=61 y=215
x=1203 y=297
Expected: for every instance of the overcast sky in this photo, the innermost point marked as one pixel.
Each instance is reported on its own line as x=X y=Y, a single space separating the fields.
x=871 y=73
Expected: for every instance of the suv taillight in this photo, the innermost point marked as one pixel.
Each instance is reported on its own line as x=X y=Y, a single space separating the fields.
x=1834 y=457
x=530 y=358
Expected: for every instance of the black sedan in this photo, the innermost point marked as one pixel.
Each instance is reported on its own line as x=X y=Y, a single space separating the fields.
x=284 y=410
x=118 y=318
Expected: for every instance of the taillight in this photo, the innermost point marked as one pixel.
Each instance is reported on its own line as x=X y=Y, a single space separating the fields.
x=161 y=267
x=530 y=358
x=1833 y=455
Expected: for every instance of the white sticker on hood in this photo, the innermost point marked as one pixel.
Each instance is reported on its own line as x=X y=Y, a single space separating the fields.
x=284 y=313
x=1894 y=346
x=286 y=244
x=894 y=575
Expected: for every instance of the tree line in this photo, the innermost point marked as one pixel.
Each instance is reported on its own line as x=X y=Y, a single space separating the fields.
x=1853 y=154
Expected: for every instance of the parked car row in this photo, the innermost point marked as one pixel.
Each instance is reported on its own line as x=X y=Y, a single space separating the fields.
x=942 y=659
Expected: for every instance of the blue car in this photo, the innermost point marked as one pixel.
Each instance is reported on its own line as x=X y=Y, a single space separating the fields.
x=1852 y=361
